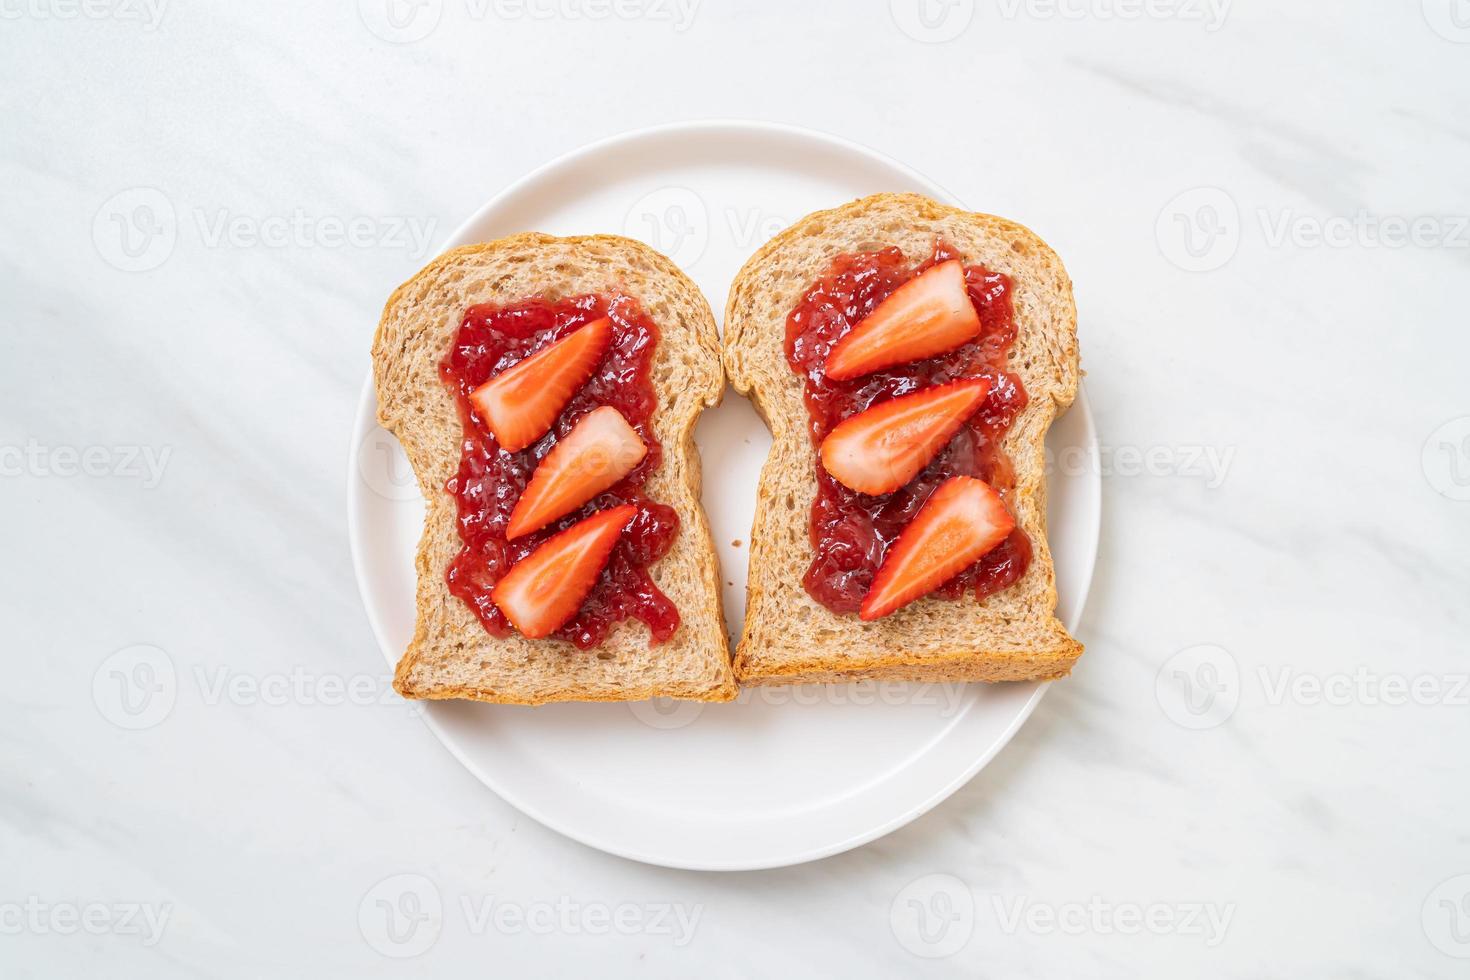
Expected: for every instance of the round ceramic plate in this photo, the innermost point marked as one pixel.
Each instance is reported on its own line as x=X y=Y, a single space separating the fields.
x=782 y=775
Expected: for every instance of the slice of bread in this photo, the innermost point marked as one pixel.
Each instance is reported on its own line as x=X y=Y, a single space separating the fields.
x=791 y=638
x=451 y=655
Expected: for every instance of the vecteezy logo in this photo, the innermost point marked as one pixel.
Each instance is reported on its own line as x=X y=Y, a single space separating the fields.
x=932 y=21
x=1446 y=459
x=384 y=468
x=401 y=916
x=673 y=220
x=135 y=230
x=400 y=21
x=136 y=687
x=1199 y=687
x=666 y=713
x=933 y=916
x=1446 y=917
x=1450 y=19
x=1199 y=230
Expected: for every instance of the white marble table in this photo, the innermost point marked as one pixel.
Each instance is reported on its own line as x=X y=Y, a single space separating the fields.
x=1259 y=767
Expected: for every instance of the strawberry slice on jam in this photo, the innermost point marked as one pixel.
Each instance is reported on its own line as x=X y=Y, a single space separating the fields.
x=546 y=588
x=522 y=402
x=960 y=522
x=601 y=449
x=927 y=315
x=878 y=451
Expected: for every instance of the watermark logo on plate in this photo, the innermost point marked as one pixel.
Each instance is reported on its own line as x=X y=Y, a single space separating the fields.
x=673 y=220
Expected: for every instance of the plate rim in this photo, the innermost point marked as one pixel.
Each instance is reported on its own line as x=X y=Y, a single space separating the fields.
x=365 y=417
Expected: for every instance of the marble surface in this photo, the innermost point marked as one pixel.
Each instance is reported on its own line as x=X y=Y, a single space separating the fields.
x=1259 y=767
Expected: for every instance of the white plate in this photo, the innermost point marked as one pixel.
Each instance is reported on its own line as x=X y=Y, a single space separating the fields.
x=782 y=775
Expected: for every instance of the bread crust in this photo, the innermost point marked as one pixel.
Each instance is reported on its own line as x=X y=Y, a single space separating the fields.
x=451 y=655
x=788 y=637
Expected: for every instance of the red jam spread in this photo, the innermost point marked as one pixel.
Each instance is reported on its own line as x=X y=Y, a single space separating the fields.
x=850 y=531
x=490 y=480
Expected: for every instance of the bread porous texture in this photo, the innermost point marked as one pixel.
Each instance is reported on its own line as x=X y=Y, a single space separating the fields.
x=788 y=636
x=451 y=655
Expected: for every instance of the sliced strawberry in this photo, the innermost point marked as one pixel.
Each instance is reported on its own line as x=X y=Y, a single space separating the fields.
x=520 y=403
x=962 y=520
x=927 y=315
x=600 y=450
x=880 y=450
x=546 y=588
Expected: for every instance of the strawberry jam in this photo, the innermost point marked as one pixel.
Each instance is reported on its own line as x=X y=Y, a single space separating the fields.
x=490 y=480
x=850 y=531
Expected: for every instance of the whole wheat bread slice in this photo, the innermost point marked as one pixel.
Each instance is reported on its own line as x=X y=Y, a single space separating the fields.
x=791 y=638
x=451 y=655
